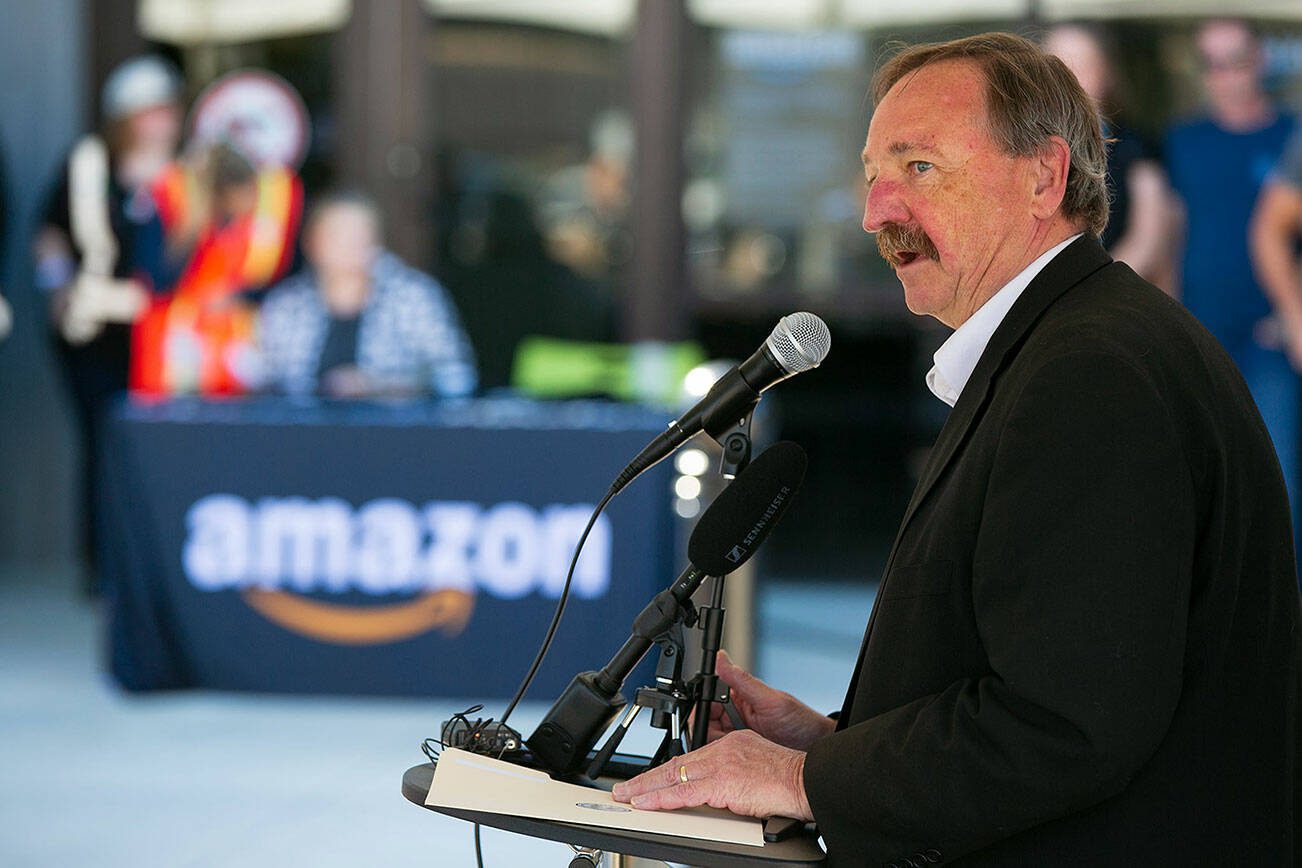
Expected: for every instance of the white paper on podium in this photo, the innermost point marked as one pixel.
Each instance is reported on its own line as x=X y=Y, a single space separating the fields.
x=479 y=783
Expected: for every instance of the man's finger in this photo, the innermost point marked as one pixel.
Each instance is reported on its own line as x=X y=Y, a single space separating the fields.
x=697 y=765
x=724 y=664
x=650 y=781
x=688 y=795
x=741 y=681
x=625 y=790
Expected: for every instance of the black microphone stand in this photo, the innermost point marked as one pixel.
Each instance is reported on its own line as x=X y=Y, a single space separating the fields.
x=668 y=701
x=672 y=701
x=736 y=455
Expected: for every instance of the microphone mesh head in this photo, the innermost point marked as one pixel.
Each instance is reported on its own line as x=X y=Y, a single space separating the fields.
x=800 y=342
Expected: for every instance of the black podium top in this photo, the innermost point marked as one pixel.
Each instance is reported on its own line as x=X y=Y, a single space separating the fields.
x=798 y=851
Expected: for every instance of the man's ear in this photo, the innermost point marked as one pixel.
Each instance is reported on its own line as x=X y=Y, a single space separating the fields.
x=1048 y=177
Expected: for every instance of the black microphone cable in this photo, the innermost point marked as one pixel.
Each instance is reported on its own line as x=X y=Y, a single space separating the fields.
x=560 y=605
x=725 y=537
x=542 y=650
x=551 y=634
x=432 y=747
x=799 y=342
x=776 y=474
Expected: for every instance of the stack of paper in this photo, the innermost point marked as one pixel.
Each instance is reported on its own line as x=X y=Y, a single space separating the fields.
x=479 y=783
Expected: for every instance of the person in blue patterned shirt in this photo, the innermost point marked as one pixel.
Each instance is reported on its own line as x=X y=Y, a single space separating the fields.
x=357 y=321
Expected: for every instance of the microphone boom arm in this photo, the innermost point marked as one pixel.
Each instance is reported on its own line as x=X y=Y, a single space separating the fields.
x=592 y=700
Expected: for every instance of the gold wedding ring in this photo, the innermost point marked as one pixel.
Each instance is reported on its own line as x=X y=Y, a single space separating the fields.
x=682 y=773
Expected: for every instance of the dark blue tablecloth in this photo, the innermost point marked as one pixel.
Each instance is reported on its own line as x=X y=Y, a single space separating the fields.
x=366 y=548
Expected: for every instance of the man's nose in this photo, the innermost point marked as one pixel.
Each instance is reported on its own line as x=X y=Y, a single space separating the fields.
x=883 y=205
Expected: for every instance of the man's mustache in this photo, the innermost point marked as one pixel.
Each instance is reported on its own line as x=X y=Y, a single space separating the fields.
x=900 y=244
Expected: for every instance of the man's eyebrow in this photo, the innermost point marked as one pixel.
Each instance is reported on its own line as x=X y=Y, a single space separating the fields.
x=898 y=148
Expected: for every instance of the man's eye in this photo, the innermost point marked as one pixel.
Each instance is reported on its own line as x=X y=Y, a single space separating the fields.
x=920 y=166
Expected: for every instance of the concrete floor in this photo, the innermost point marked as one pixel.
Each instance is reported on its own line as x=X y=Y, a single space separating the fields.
x=90 y=776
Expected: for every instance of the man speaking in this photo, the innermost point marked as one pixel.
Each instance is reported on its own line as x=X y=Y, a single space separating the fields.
x=1085 y=646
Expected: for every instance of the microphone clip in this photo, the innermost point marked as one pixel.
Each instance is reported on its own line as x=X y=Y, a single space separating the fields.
x=736 y=445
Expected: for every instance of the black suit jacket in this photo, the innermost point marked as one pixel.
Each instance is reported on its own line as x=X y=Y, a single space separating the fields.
x=1085 y=646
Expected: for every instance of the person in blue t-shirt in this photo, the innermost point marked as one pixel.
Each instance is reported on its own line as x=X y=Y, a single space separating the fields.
x=1276 y=236
x=1218 y=165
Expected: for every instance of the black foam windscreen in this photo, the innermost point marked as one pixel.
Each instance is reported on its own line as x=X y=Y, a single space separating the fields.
x=743 y=515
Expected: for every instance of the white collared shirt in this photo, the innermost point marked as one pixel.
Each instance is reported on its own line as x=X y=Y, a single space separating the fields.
x=957 y=357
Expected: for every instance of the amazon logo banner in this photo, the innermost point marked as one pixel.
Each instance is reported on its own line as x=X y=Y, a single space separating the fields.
x=413 y=549
x=387 y=570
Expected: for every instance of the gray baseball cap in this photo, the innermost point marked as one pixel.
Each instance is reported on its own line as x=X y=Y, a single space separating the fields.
x=139 y=83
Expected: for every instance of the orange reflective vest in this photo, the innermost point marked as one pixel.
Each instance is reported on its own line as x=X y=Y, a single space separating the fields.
x=199 y=338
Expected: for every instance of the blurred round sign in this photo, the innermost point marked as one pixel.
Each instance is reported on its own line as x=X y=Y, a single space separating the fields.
x=258 y=113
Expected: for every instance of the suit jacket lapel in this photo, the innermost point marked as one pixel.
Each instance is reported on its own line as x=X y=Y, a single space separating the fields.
x=1077 y=261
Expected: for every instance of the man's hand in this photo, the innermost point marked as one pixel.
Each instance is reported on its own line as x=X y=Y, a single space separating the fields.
x=1273 y=234
x=93 y=301
x=1283 y=333
x=1293 y=344
x=742 y=772
x=776 y=715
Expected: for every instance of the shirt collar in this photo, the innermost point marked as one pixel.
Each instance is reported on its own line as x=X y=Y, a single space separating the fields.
x=957 y=358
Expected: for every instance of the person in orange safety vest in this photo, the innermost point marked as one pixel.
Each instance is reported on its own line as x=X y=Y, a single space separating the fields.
x=242 y=222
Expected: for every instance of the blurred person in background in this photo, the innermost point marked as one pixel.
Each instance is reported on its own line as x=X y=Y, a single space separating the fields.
x=509 y=286
x=1140 y=221
x=100 y=249
x=1276 y=231
x=1275 y=235
x=586 y=210
x=357 y=321
x=239 y=222
x=1218 y=165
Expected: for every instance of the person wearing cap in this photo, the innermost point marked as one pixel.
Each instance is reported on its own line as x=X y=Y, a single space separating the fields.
x=101 y=249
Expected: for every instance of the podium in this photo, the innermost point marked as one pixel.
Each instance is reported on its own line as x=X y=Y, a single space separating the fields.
x=799 y=851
